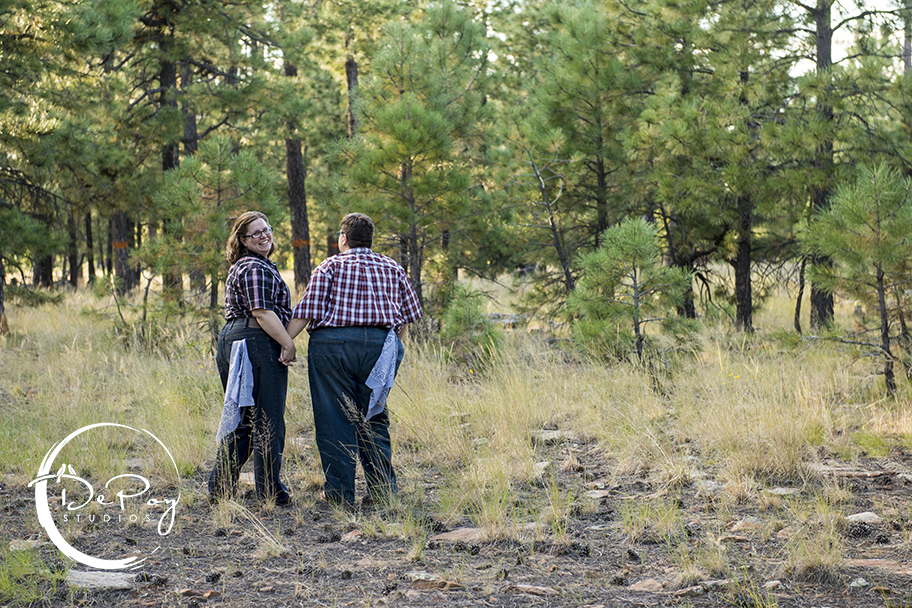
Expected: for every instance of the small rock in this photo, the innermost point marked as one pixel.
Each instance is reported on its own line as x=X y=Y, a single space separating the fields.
x=425 y=580
x=532 y=590
x=650 y=584
x=708 y=487
x=785 y=533
x=774 y=584
x=190 y=593
x=781 y=491
x=100 y=580
x=598 y=494
x=859 y=583
x=549 y=437
x=690 y=591
x=748 y=523
x=866 y=518
x=889 y=565
x=268 y=589
x=23 y=545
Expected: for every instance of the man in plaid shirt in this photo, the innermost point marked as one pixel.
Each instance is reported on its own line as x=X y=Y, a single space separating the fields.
x=352 y=302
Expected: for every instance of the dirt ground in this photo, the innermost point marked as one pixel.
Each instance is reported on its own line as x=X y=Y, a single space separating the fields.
x=335 y=558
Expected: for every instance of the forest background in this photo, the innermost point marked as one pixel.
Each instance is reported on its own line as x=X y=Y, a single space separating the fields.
x=639 y=169
x=483 y=137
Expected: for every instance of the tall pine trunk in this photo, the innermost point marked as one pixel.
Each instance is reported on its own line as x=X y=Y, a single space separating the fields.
x=821 y=301
x=4 y=326
x=889 y=376
x=296 y=174
x=73 y=251
x=172 y=281
x=90 y=247
x=351 y=82
x=743 y=287
x=121 y=238
x=191 y=143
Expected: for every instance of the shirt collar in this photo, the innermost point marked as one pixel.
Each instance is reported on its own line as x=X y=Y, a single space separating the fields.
x=358 y=250
x=253 y=254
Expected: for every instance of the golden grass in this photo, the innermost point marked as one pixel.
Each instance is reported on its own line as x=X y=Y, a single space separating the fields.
x=747 y=411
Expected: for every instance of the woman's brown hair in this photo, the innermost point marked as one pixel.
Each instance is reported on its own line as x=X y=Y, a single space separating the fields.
x=235 y=250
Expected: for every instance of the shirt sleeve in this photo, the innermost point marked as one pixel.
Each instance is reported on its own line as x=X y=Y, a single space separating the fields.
x=253 y=288
x=315 y=302
x=411 y=307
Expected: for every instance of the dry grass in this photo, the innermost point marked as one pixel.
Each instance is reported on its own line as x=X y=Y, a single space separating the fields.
x=745 y=412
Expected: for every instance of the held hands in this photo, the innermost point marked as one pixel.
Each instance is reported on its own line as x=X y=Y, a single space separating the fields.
x=271 y=324
x=287 y=355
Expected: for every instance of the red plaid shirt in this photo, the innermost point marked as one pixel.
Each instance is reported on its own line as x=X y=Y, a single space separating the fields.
x=254 y=282
x=358 y=287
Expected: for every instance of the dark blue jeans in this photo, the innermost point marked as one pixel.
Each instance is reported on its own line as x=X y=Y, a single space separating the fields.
x=339 y=360
x=261 y=431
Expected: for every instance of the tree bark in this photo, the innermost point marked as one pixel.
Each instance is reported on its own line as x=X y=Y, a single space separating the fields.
x=907 y=39
x=351 y=81
x=296 y=175
x=4 y=326
x=73 y=252
x=43 y=271
x=797 y=320
x=122 y=236
x=90 y=247
x=601 y=200
x=172 y=281
x=108 y=254
x=743 y=286
x=191 y=144
x=889 y=377
x=332 y=244
x=821 y=301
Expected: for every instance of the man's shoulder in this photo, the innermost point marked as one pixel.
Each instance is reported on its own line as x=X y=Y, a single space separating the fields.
x=366 y=255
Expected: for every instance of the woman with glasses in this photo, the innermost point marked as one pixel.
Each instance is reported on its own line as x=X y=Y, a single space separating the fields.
x=253 y=354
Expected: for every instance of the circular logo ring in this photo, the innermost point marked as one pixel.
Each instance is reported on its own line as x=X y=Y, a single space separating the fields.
x=44 y=510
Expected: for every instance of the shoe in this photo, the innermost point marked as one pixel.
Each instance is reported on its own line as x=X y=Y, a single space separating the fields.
x=337 y=502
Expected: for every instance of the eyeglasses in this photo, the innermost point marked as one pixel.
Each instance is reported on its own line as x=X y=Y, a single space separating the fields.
x=259 y=233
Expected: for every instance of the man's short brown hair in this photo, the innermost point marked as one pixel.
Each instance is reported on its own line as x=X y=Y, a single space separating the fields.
x=358 y=229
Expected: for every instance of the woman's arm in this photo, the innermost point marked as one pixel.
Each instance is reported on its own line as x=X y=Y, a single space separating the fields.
x=270 y=323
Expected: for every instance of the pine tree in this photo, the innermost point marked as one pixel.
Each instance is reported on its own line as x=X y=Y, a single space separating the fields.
x=216 y=184
x=867 y=232
x=624 y=289
x=716 y=87
x=418 y=113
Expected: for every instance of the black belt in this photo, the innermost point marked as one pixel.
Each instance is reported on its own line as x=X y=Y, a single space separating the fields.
x=247 y=321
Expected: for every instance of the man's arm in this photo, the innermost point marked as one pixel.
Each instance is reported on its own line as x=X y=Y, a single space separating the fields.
x=295 y=326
